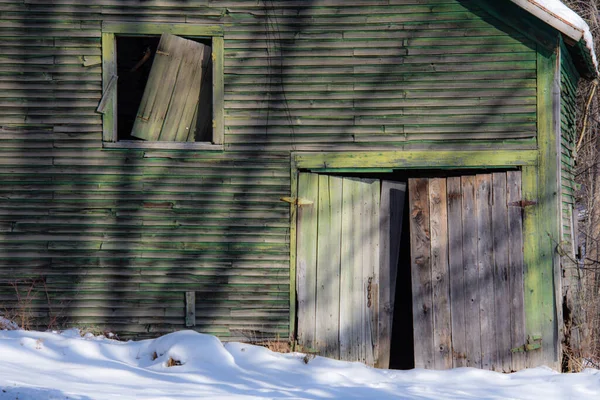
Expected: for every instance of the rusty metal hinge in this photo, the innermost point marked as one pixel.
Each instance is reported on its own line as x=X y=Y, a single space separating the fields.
x=533 y=343
x=523 y=203
x=297 y=201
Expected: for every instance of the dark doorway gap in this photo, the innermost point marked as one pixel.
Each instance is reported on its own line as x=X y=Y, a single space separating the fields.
x=402 y=353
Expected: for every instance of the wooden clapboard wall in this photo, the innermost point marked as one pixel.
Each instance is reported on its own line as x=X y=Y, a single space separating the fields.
x=467 y=271
x=118 y=236
x=569 y=78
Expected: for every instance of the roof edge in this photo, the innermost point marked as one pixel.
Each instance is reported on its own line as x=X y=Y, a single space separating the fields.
x=578 y=31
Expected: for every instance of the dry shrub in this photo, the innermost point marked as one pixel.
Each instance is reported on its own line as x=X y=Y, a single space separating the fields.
x=258 y=338
x=278 y=346
x=32 y=308
x=581 y=347
x=171 y=362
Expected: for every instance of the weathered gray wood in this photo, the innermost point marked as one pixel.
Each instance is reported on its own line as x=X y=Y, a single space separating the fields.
x=348 y=254
x=328 y=265
x=456 y=272
x=306 y=267
x=485 y=260
x=185 y=96
x=108 y=94
x=357 y=285
x=190 y=309
x=501 y=270
x=393 y=196
x=471 y=272
x=159 y=88
x=420 y=248
x=515 y=249
x=370 y=263
x=438 y=214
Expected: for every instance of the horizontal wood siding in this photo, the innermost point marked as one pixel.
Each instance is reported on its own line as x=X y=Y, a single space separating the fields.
x=117 y=237
x=569 y=78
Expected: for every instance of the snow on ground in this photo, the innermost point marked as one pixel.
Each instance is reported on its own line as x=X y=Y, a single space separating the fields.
x=44 y=365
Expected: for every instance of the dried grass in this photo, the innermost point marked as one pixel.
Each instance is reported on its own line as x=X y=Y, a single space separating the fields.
x=581 y=346
x=171 y=362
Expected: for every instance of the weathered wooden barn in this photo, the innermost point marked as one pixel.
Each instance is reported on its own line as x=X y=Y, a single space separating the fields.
x=381 y=180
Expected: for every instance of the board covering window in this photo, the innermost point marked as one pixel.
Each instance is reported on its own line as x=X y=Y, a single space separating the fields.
x=170 y=90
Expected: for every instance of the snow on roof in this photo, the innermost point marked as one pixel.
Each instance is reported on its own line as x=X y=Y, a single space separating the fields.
x=562 y=18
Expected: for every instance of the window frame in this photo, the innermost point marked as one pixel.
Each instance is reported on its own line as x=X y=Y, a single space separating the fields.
x=110 y=30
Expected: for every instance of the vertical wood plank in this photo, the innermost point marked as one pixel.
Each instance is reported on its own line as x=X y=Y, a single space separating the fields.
x=159 y=88
x=357 y=291
x=501 y=271
x=548 y=114
x=190 y=309
x=471 y=272
x=307 y=259
x=442 y=340
x=393 y=195
x=485 y=260
x=532 y=276
x=370 y=265
x=420 y=248
x=456 y=271
x=293 y=309
x=218 y=90
x=328 y=266
x=518 y=335
x=348 y=254
x=186 y=94
x=109 y=69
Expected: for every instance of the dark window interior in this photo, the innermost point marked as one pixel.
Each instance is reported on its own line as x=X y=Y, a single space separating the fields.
x=133 y=69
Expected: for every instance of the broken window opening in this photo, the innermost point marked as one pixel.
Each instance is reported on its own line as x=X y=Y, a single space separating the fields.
x=164 y=90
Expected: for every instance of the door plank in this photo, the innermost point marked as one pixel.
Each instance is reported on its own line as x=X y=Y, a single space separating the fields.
x=420 y=246
x=393 y=195
x=471 y=272
x=348 y=255
x=501 y=272
x=515 y=256
x=442 y=339
x=456 y=271
x=328 y=266
x=485 y=260
x=307 y=259
x=370 y=264
x=358 y=281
